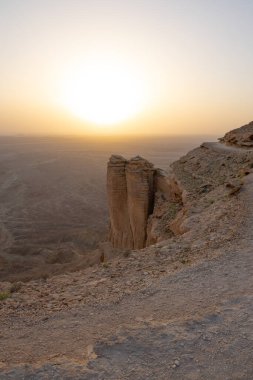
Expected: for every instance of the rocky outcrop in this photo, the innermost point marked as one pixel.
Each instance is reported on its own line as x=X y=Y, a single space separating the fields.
x=142 y=202
x=168 y=202
x=242 y=137
x=130 y=197
x=140 y=197
x=121 y=235
x=205 y=273
x=148 y=205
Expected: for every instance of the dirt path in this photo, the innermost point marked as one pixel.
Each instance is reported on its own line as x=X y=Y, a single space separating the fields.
x=219 y=147
x=193 y=324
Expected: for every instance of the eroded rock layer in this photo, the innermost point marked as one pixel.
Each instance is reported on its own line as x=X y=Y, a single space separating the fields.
x=130 y=197
x=120 y=230
x=143 y=201
x=148 y=205
x=140 y=195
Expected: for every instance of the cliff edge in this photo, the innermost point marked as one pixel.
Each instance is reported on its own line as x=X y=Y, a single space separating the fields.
x=148 y=205
x=178 y=309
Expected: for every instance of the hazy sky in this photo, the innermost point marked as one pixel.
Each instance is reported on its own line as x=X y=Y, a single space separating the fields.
x=187 y=65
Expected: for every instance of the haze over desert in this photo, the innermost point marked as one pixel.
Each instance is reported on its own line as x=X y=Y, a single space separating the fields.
x=53 y=198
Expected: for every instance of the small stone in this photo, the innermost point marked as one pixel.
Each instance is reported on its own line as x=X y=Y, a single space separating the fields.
x=177 y=363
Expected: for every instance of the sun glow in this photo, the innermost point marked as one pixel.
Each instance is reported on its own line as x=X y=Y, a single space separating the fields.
x=103 y=91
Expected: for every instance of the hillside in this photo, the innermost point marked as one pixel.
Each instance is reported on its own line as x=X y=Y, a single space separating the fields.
x=177 y=309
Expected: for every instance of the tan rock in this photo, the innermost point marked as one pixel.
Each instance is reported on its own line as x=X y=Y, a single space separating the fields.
x=168 y=185
x=177 y=225
x=242 y=136
x=130 y=189
x=120 y=229
x=144 y=204
x=140 y=197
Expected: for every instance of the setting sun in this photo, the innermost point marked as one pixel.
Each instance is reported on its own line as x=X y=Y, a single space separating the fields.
x=103 y=91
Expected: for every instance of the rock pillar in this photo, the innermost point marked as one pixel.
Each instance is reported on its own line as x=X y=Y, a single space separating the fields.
x=140 y=193
x=130 y=197
x=120 y=229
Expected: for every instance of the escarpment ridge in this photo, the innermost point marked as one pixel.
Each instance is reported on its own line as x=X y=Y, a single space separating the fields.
x=179 y=308
x=148 y=205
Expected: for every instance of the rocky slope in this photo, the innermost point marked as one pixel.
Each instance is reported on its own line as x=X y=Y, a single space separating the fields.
x=242 y=137
x=148 y=205
x=178 y=309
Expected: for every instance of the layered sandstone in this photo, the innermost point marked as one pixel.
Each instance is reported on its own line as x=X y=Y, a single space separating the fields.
x=140 y=189
x=148 y=205
x=120 y=230
x=142 y=202
x=130 y=197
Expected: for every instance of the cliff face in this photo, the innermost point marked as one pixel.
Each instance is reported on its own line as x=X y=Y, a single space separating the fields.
x=130 y=196
x=139 y=198
x=120 y=230
x=148 y=205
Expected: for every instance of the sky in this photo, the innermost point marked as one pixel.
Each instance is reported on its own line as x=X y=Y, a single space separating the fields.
x=125 y=67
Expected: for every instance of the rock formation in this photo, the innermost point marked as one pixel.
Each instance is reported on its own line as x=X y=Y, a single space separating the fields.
x=242 y=137
x=120 y=230
x=130 y=197
x=148 y=205
x=197 y=285
x=140 y=197
x=142 y=202
x=167 y=204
